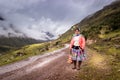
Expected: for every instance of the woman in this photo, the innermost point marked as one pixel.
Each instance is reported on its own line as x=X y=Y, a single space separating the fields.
x=77 y=46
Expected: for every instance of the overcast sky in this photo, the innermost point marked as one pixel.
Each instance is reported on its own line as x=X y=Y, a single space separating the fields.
x=55 y=16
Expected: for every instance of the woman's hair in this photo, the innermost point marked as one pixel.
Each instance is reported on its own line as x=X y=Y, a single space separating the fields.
x=77 y=29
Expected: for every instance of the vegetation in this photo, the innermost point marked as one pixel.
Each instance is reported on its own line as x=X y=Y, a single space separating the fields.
x=28 y=50
x=99 y=67
x=103 y=28
x=17 y=41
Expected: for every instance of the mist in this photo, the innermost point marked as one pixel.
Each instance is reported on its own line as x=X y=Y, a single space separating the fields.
x=35 y=17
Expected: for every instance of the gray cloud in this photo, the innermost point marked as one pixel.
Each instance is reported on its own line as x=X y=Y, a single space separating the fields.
x=56 y=16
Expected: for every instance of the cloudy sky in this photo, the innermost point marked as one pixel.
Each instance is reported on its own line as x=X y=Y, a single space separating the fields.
x=33 y=17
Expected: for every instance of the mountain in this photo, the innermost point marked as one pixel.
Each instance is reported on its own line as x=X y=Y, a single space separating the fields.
x=100 y=24
x=12 y=37
x=102 y=29
x=17 y=41
x=102 y=33
x=104 y=21
x=1 y=18
x=10 y=43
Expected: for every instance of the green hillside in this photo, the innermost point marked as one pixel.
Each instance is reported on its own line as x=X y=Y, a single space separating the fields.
x=12 y=43
x=14 y=54
x=17 y=41
x=103 y=29
x=100 y=23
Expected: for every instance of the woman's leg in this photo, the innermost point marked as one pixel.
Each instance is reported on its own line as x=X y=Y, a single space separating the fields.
x=79 y=64
x=74 y=62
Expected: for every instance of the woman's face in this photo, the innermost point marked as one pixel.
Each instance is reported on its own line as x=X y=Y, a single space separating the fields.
x=77 y=32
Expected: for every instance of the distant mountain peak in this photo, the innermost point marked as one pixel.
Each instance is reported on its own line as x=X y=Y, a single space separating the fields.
x=49 y=34
x=1 y=18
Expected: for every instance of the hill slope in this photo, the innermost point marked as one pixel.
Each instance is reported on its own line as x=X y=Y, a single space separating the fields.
x=103 y=30
x=101 y=26
x=102 y=22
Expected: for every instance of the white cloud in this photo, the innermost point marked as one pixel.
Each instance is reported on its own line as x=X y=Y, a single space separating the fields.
x=31 y=17
x=44 y=25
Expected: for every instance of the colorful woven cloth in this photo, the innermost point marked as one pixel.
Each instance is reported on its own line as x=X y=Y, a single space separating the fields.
x=78 y=55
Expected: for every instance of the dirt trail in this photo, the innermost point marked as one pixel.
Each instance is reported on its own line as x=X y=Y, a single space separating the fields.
x=54 y=67
x=49 y=67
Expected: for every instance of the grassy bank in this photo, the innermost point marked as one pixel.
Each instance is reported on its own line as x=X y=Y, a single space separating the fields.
x=29 y=50
x=99 y=67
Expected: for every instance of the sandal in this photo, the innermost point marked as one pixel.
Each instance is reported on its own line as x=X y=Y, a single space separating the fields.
x=78 y=68
x=74 y=68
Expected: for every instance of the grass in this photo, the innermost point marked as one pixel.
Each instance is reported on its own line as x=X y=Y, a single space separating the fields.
x=109 y=35
x=104 y=59
x=99 y=67
x=27 y=51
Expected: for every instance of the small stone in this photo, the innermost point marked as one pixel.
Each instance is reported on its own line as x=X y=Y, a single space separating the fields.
x=119 y=70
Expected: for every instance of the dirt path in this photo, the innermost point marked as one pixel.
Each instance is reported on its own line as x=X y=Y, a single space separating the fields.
x=54 y=66
x=49 y=67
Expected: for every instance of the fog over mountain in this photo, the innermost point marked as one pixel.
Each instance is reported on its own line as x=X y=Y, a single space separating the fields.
x=44 y=19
